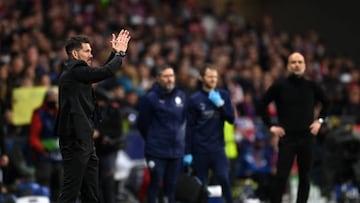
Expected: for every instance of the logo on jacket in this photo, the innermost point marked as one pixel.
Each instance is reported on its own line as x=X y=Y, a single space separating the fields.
x=202 y=106
x=207 y=113
x=178 y=101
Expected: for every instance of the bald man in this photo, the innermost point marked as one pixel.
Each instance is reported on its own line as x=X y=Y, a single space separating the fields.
x=295 y=98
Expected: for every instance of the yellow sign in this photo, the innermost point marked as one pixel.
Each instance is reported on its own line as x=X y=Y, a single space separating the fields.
x=25 y=100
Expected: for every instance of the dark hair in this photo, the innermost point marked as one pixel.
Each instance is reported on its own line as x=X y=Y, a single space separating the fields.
x=75 y=43
x=49 y=92
x=205 y=67
x=161 y=68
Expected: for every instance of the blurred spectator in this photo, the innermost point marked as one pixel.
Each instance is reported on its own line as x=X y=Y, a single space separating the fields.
x=45 y=144
x=110 y=140
x=352 y=106
x=130 y=110
x=4 y=159
x=334 y=90
x=256 y=162
x=247 y=107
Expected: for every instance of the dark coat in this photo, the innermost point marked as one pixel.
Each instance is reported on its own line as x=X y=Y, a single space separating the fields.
x=205 y=122
x=161 y=122
x=76 y=98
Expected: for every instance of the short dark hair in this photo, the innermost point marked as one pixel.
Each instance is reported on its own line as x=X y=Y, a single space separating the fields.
x=205 y=67
x=161 y=68
x=75 y=43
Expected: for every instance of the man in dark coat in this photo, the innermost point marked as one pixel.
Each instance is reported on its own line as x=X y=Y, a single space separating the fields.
x=161 y=122
x=75 y=123
x=296 y=99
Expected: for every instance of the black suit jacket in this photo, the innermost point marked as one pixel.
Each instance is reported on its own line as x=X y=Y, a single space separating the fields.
x=76 y=98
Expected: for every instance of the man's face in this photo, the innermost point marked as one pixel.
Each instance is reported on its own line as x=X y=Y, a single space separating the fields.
x=84 y=53
x=296 y=64
x=210 y=79
x=166 y=79
x=52 y=100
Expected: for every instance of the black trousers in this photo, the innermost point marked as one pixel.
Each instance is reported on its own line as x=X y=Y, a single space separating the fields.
x=219 y=164
x=299 y=145
x=80 y=165
x=163 y=173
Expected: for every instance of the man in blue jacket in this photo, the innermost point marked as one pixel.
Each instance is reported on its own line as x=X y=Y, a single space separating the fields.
x=161 y=122
x=208 y=109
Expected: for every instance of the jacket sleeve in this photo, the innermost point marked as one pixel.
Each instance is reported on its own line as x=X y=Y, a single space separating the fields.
x=267 y=98
x=35 y=130
x=191 y=118
x=86 y=74
x=144 y=117
x=227 y=109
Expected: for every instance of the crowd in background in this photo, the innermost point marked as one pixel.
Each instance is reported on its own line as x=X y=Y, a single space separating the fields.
x=249 y=57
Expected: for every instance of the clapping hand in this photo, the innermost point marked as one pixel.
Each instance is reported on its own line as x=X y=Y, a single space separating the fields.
x=120 y=42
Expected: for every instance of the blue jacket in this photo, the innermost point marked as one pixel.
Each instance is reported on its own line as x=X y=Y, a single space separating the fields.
x=42 y=135
x=161 y=122
x=205 y=122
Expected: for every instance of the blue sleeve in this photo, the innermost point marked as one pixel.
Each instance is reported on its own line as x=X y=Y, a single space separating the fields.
x=144 y=117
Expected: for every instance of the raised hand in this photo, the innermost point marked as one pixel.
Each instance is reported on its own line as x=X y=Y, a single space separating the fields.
x=120 y=42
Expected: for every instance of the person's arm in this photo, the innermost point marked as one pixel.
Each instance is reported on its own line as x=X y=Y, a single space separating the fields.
x=86 y=74
x=323 y=99
x=35 y=131
x=145 y=114
x=267 y=98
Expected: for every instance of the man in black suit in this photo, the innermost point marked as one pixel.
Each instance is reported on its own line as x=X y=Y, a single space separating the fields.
x=77 y=113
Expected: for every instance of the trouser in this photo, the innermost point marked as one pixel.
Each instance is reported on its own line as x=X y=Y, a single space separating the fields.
x=163 y=172
x=219 y=164
x=291 y=145
x=107 y=180
x=80 y=165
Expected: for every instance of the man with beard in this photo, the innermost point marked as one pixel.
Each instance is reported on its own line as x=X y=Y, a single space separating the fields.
x=76 y=120
x=161 y=122
x=44 y=144
x=208 y=109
